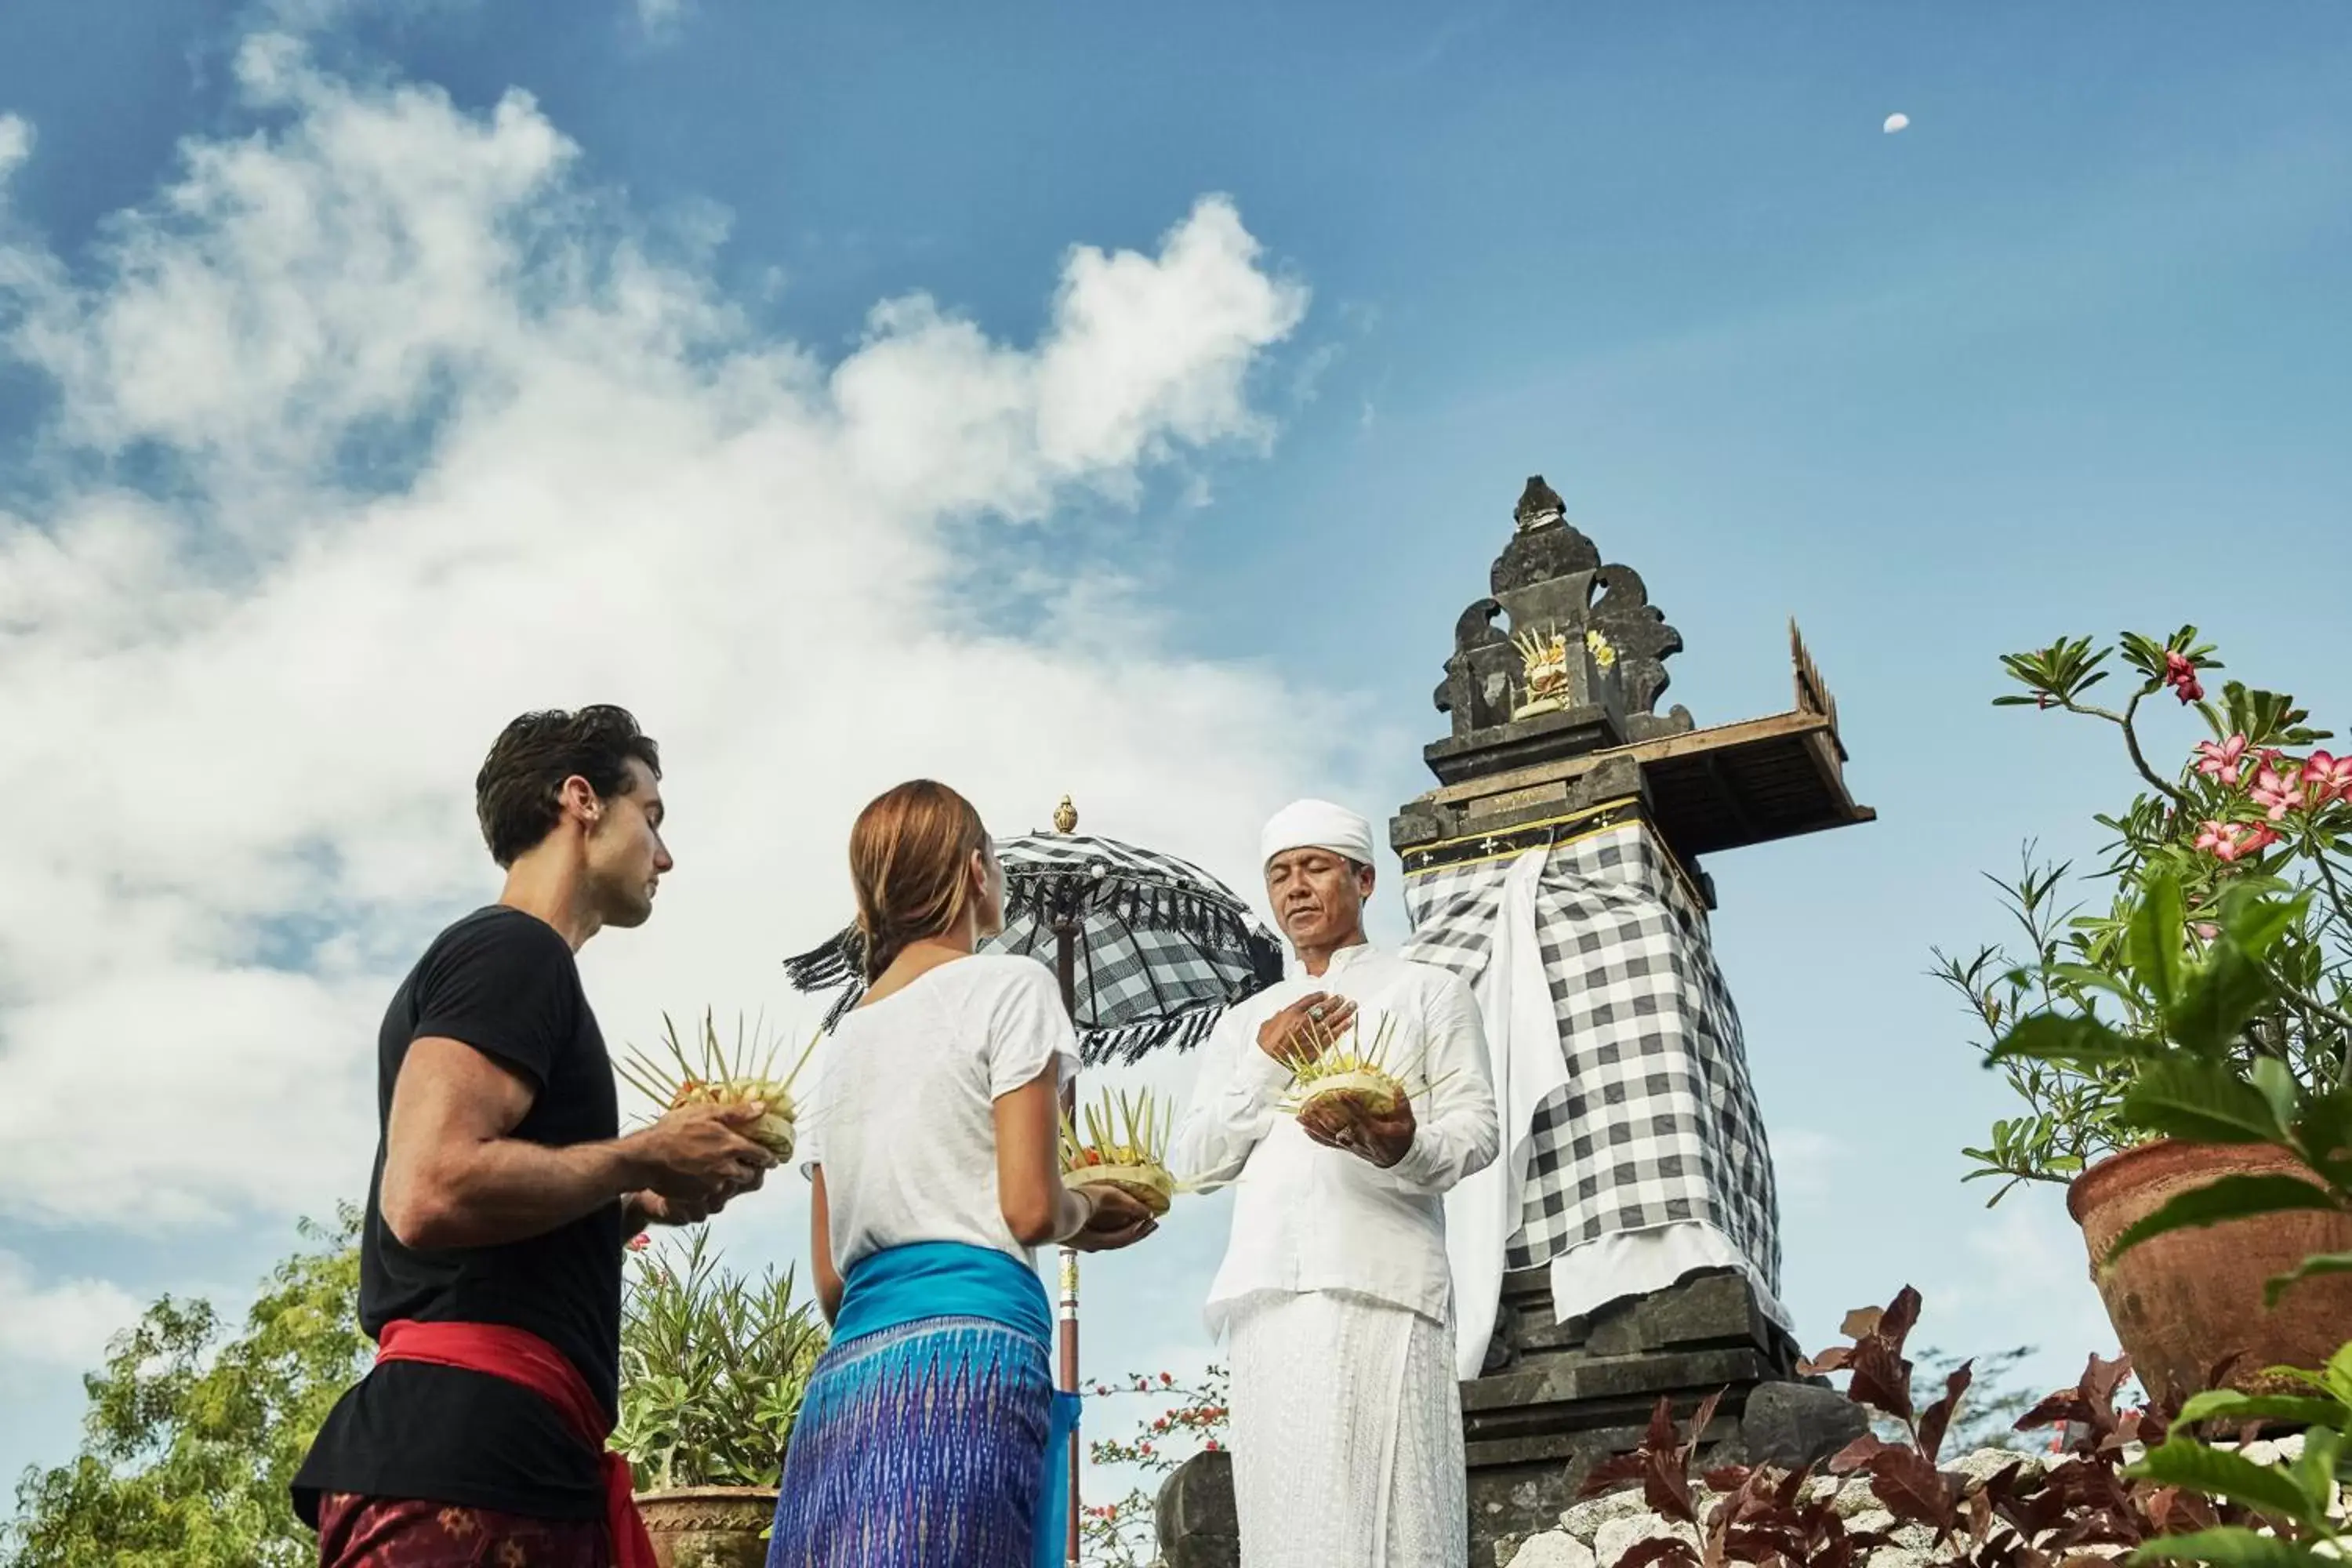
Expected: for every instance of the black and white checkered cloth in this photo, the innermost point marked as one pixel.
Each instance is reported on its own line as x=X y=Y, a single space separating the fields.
x=1162 y=948
x=1658 y=1122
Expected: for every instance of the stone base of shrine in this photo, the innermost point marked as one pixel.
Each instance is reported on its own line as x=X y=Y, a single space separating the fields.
x=1559 y=1398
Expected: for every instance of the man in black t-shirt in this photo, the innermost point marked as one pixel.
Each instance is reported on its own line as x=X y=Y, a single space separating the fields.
x=503 y=1195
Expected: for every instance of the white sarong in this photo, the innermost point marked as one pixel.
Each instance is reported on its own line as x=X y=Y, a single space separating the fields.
x=1346 y=1433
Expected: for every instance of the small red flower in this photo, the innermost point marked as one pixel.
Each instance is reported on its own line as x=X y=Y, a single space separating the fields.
x=640 y=1241
x=2181 y=676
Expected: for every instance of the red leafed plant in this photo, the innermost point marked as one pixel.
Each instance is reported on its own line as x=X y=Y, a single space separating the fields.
x=2022 y=1516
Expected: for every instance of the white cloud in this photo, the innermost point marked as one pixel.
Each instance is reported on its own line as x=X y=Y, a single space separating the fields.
x=660 y=18
x=64 y=1324
x=16 y=143
x=1896 y=122
x=402 y=427
x=2020 y=1276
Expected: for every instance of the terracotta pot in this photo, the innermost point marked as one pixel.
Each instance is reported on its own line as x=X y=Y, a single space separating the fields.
x=2186 y=1301
x=709 y=1527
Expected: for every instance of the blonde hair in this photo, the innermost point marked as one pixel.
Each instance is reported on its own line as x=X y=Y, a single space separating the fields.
x=909 y=859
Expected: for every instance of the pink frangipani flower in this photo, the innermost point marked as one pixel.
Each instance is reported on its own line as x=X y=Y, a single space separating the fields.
x=2324 y=776
x=2221 y=759
x=2231 y=841
x=2280 y=792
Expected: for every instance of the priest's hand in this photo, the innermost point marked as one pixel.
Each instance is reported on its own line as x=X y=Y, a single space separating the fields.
x=1381 y=1140
x=1300 y=1031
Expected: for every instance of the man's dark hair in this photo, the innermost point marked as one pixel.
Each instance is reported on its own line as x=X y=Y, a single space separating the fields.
x=517 y=795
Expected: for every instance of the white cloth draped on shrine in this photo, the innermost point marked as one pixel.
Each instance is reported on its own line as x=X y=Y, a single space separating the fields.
x=1346 y=1432
x=1642 y=1159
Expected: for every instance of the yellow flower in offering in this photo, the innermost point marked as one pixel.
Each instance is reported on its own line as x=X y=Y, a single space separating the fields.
x=1125 y=1146
x=712 y=1074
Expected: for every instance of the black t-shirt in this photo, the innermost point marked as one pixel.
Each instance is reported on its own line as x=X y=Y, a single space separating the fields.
x=504 y=983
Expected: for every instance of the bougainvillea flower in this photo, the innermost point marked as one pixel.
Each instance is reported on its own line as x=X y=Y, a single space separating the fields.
x=2221 y=759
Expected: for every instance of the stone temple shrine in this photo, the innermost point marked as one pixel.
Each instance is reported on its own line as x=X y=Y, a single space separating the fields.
x=1624 y=1245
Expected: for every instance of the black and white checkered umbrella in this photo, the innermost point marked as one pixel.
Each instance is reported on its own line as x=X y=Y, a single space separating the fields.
x=1158 y=948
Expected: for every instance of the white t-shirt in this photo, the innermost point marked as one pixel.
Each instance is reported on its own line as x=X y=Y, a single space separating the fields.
x=905 y=1118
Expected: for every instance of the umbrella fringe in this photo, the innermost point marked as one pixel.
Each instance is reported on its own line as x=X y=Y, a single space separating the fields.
x=1130 y=1043
x=840 y=962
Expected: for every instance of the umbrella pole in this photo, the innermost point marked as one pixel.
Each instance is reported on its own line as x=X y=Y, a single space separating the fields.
x=1065 y=970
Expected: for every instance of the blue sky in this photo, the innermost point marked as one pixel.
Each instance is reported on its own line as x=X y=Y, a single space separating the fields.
x=2069 y=354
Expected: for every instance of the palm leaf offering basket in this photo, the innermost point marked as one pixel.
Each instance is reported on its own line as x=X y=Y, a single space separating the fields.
x=1344 y=1072
x=1125 y=1146
x=712 y=1073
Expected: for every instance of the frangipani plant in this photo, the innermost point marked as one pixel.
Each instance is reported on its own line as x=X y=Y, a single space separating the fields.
x=2255 y=809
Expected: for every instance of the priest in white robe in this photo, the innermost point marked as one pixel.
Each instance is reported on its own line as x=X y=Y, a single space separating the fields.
x=1335 y=1298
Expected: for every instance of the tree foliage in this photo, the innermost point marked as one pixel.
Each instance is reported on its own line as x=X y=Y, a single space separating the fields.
x=190 y=1443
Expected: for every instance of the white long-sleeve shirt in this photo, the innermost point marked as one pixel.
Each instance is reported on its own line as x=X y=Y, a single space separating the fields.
x=1307 y=1217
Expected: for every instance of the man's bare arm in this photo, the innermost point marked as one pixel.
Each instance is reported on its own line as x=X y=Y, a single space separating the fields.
x=454 y=1175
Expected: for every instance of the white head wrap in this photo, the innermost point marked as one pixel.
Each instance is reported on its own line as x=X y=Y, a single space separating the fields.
x=1316 y=825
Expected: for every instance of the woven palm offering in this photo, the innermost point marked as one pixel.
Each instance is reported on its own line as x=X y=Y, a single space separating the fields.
x=1345 y=1073
x=1125 y=1146
x=712 y=1073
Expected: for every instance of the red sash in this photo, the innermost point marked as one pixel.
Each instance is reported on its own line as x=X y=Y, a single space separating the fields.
x=522 y=1358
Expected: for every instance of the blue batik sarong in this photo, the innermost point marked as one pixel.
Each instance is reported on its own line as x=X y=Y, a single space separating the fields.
x=931 y=1435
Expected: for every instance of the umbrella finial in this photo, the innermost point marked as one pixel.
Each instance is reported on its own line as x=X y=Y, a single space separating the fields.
x=1066 y=816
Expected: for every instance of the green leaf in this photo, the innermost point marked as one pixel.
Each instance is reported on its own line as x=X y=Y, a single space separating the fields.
x=2218 y=999
x=2254 y=922
x=2184 y=1462
x=2232 y=1546
x=2336 y=1376
x=2157 y=945
x=2226 y=1198
x=2276 y=1084
x=2199 y=1102
x=2087 y=978
x=2310 y=1267
x=2315 y=1468
x=2064 y=1038
x=2229 y=1404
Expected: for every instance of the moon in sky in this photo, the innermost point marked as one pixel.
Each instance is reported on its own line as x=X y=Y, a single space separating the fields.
x=1896 y=122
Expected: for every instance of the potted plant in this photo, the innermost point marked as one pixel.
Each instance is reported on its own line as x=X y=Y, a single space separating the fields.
x=713 y=1366
x=2121 y=1031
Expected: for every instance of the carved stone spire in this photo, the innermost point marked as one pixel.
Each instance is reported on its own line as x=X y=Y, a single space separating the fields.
x=1578 y=666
